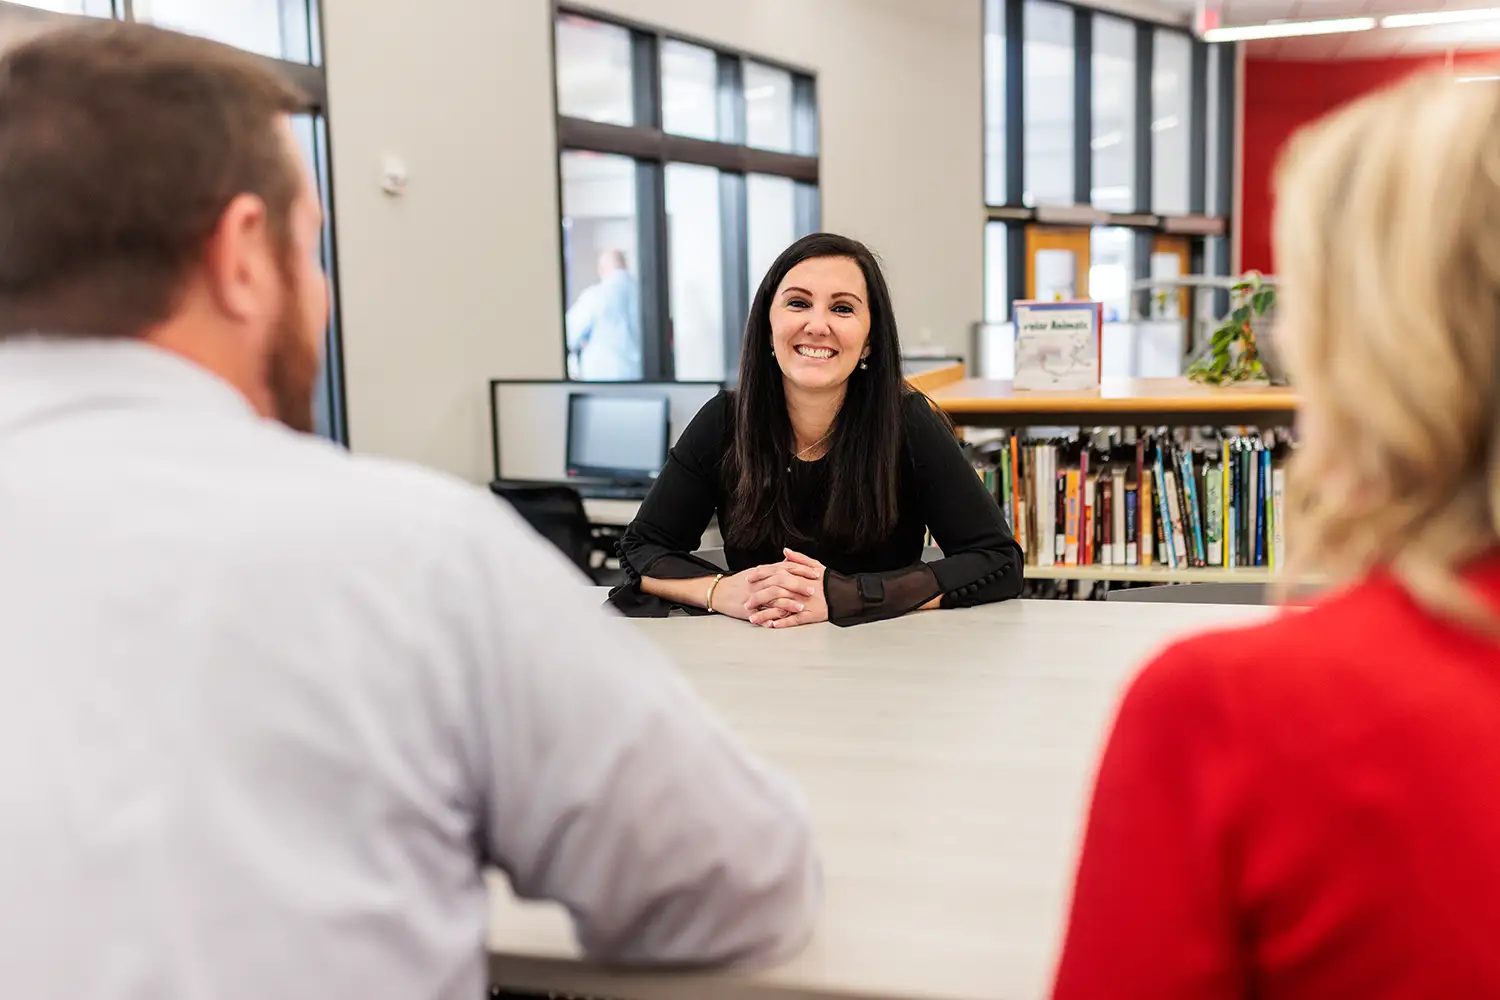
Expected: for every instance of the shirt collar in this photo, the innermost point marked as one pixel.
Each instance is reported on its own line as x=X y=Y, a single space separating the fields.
x=40 y=374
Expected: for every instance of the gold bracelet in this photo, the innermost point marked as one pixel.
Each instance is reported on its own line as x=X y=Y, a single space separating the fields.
x=708 y=602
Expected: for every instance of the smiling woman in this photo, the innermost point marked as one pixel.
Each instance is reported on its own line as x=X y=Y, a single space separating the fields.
x=825 y=469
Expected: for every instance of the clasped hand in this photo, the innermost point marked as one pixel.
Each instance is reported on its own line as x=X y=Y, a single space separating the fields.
x=776 y=595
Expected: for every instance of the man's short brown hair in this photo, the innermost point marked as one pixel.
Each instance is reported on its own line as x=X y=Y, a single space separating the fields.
x=120 y=147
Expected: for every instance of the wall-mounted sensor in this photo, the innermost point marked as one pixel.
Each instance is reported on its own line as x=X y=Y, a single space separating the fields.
x=393 y=175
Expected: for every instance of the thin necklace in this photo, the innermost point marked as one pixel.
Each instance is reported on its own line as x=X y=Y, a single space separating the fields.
x=809 y=448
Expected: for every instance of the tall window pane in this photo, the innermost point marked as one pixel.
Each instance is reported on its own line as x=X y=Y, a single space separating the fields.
x=689 y=90
x=771 y=222
x=695 y=272
x=1171 y=77
x=768 y=107
x=996 y=277
x=994 y=102
x=274 y=28
x=1111 y=267
x=312 y=139
x=593 y=71
x=601 y=262
x=1213 y=169
x=1048 y=56
x=1113 y=141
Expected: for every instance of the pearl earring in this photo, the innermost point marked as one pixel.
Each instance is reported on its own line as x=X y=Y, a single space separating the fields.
x=864 y=364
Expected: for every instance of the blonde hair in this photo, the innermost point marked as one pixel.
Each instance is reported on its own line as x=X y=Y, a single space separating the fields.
x=1388 y=250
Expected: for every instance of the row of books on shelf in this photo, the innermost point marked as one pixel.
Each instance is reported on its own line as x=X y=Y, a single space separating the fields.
x=1180 y=499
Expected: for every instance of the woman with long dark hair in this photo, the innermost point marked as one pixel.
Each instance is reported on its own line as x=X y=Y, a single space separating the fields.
x=825 y=470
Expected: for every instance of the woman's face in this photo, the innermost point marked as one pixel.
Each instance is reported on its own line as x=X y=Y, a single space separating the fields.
x=820 y=322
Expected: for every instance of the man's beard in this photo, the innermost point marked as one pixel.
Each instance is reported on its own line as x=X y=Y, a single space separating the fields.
x=294 y=363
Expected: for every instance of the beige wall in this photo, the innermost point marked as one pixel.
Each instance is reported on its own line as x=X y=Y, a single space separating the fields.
x=458 y=280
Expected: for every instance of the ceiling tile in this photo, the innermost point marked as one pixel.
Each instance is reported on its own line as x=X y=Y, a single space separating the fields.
x=1310 y=47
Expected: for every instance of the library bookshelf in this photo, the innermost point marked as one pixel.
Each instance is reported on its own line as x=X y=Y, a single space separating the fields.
x=1172 y=403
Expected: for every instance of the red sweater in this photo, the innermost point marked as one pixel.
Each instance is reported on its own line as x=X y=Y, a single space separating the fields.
x=1303 y=810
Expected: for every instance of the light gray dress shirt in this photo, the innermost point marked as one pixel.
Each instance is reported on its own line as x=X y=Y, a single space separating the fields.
x=266 y=710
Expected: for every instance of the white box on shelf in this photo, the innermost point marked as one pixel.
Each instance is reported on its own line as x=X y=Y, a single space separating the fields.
x=1057 y=345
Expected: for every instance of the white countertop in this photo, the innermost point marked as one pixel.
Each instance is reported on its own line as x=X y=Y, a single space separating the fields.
x=947 y=758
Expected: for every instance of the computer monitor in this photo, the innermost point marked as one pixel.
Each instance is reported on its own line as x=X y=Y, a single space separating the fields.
x=617 y=437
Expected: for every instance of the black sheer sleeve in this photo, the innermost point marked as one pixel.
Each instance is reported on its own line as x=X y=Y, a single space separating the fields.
x=669 y=526
x=982 y=562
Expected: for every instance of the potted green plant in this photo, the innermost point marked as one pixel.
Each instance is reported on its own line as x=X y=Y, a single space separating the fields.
x=1234 y=354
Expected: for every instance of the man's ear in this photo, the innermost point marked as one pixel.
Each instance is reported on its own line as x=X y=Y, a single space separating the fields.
x=239 y=259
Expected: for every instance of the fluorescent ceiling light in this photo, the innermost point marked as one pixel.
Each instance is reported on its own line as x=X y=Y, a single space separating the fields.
x=1288 y=29
x=1106 y=140
x=1440 y=17
x=1162 y=124
x=760 y=93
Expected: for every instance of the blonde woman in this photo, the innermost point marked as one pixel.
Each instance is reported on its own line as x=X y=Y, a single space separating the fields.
x=1311 y=808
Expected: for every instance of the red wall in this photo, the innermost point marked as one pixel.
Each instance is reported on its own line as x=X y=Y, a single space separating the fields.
x=1281 y=97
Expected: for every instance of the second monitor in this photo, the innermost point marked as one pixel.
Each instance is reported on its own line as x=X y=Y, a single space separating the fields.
x=617 y=440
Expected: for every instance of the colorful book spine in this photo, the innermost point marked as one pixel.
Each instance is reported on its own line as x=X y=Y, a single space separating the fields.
x=1268 y=502
x=1045 y=494
x=1059 y=512
x=1182 y=531
x=1247 y=508
x=1117 y=536
x=1256 y=515
x=1106 y=518
x=1142 y=509
x=1101 y=552
x=1262 y=507
x=1162 y=535
x=1192 y=521
x=1148 y=537
x=1174 y=509
x=1213 y=488
x=1016 y=488
x=1278 y=506
x=1071 y=519
x=1164 y=513
x=1132 y=522
x=1226 y=504
x=1086 y=519
x=1232 y=517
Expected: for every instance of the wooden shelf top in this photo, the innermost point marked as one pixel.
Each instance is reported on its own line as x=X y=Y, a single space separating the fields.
x=1115 y=396
x=931 y=379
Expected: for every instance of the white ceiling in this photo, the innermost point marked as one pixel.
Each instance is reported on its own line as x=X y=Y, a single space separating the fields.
x=1380 y=42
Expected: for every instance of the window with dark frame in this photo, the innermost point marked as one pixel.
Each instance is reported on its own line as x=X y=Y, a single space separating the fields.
x=1112 y=124
x=287 y=34
x=684 y=168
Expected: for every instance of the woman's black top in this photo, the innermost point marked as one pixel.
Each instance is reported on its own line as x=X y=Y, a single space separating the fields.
x=938 y=490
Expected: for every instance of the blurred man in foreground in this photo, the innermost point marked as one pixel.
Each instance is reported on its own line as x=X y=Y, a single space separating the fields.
x=268 y=708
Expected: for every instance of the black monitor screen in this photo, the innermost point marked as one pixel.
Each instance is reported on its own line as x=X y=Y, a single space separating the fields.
x=622 y=437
